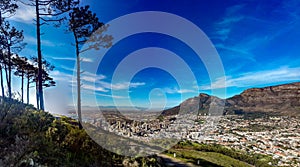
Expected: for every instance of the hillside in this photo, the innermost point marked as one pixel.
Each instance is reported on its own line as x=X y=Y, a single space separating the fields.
x=280 y=99
x=36 y=138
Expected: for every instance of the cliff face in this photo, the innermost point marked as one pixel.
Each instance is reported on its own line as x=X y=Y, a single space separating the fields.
x=278 y=99
x=281 y=99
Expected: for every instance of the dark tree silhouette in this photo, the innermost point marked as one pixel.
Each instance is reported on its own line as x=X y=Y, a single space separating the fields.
x=1 y=74
x=11 y=41
x=30 y=74
x=83 y=23
x=20 y=64
x=7 y=8
x=47 y=81
x=48 y=11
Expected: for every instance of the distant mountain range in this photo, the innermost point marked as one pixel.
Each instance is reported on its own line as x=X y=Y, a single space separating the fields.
x=111 y=108
x=281 y=99
x=122 y=108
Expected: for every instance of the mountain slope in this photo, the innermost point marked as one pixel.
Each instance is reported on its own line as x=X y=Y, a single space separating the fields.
x=36 y=138
x=280 y=99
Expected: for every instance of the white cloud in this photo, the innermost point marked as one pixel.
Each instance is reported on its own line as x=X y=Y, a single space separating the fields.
x=64 y=58
x=240 y=52
x=90 y=77
x=93 y=82
x=92 y=92
x=120 y=86
x=67 y=68
x=125 y=85
x=283 y=74
x=219 y=83
x=60 y=76
x=32 y=40
x=87 y=60
x=230 y=20
x=51 y=43
x=112 y=96
x=93 y=88
x=29 y=39
x=224 y=27
x=176 y=90
x=24 y=13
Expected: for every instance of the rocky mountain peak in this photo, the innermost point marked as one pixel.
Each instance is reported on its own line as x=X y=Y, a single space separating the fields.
x=280 y=99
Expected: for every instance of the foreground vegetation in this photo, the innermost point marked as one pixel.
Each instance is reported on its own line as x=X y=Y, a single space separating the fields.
x=36 y=138
x=217 y=155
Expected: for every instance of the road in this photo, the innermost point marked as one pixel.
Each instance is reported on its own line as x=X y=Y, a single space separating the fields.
x=170 y=161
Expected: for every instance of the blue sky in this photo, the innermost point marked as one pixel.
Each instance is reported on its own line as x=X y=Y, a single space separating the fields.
x=257 y=41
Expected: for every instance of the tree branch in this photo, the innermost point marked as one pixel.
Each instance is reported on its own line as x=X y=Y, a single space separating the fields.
x=96 y=46
x=44 y=24
x=49 y=14
x=44 y=3
x=52 y=20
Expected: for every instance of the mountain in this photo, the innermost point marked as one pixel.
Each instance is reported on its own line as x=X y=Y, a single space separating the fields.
x=281 y=99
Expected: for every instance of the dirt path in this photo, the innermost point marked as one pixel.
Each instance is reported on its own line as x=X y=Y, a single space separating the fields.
x=170 y=161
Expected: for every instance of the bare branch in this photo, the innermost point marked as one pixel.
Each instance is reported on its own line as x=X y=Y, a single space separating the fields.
x=44 y=23
x=96 y=46
x=51 y=14
x=52 y=20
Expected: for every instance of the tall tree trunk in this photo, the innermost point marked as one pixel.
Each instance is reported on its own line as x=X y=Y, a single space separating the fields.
x=22 y=88
x=2 y=86
x=9 y=73
x=37 y=96
x=28 y=82
x=1 y=76
x=39 y=50
x=6 y=74
x=0 y=18
x=4 y=59
x=78 y=82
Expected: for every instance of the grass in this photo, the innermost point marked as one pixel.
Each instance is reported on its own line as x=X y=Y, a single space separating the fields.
x=207 y=158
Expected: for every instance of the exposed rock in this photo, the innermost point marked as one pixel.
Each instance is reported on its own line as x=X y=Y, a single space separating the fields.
x=276 y=99
x=281 y=99
x=204 y=104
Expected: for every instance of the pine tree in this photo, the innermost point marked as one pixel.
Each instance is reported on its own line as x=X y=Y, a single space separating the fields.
x=83 y=23
x=7 y=8
x=29 y=73
x=21 y=64
x=1 y=74
x=47 y=81
x=47 y=11
x=11 y=41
